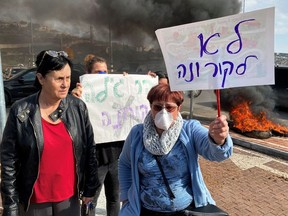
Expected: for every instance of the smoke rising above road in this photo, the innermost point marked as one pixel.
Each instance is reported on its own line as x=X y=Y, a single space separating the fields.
x=260 y=98
x=129 y=20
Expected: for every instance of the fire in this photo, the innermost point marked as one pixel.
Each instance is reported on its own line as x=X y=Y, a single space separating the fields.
x=246 y=121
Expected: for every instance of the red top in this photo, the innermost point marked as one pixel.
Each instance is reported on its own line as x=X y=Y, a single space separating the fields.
x=57 y=177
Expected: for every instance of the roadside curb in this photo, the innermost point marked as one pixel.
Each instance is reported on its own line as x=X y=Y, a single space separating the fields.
x=261 y=149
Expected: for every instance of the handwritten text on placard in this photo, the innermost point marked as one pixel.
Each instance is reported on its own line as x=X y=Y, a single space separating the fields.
x=221 y=53
x=116 y=103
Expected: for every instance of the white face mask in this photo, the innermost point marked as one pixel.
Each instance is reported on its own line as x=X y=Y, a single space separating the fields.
x=163 y=119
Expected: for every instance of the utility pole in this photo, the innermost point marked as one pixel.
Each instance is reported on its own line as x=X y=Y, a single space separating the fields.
x=61 y=41
x=191 y=104
x=91 y=35
x=92 y=39
x=32 y=43
x=2 y=102
x=111 y=48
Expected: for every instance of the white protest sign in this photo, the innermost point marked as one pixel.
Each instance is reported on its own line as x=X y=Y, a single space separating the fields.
x=232 y=51
x=116 y=103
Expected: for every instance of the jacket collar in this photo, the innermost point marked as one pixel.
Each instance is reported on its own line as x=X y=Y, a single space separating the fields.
x=59 y=111
x=31 y=107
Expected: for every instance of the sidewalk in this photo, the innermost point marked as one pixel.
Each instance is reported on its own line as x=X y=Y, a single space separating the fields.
x=249 y=183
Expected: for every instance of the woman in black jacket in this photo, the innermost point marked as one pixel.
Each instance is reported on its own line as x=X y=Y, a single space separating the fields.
x=48 y=155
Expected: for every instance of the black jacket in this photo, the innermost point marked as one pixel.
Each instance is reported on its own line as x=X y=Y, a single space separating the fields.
x=22 y=147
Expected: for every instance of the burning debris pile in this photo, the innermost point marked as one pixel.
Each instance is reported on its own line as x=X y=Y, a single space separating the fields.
x=251 y=111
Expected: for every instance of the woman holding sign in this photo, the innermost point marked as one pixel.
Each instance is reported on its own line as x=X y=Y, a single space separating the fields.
x=159 y=172
x=107 y=153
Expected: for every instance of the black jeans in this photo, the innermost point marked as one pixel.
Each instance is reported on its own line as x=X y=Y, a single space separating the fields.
x=147 y=212
x=209 y=209
x=68 y=207
x=108 y=175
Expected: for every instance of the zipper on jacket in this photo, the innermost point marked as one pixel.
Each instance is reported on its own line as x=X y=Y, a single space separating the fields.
x=76 y=164
x=37 y=143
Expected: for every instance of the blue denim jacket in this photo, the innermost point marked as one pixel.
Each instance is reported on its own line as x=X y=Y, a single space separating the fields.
x=195 y=138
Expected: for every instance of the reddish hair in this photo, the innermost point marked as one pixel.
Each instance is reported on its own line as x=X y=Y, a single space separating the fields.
x=162 y=92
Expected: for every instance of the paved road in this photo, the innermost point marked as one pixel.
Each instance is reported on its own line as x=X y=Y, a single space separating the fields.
x=247 y=184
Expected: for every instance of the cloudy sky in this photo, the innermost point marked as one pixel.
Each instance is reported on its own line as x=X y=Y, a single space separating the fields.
x=281 y=19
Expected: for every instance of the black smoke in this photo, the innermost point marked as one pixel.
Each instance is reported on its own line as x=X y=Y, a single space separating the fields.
x=261 y=99
x=129 y=20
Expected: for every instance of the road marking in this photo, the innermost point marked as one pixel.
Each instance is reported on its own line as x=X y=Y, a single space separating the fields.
x=245 y=162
